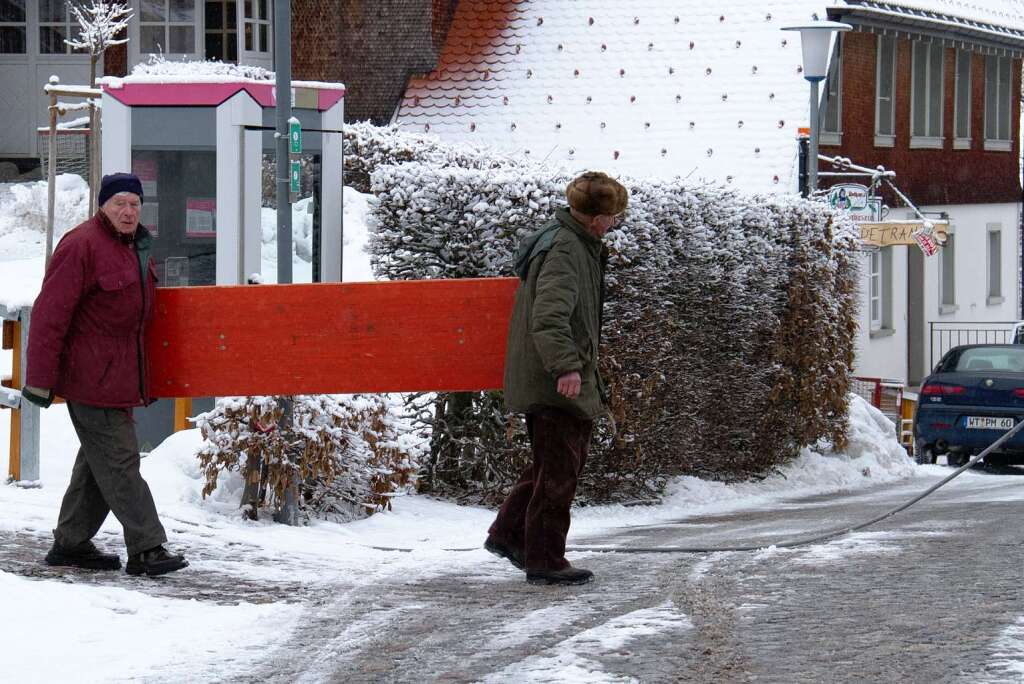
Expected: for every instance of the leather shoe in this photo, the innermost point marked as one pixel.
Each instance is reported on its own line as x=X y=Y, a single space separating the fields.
x=155 y=561
x=85 y=555
x=500 y=550
x=566 y=576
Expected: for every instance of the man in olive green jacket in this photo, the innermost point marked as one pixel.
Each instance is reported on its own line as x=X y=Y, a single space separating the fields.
x=551 y=375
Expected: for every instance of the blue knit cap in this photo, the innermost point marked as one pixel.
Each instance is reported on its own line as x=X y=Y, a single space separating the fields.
x=119 y=182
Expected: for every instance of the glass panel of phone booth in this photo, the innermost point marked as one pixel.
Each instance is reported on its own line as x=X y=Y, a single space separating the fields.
x=180 y=211
x=305 y=220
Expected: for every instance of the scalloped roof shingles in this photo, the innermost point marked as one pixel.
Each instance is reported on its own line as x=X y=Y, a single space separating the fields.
x=652 y=87
x=647 y=88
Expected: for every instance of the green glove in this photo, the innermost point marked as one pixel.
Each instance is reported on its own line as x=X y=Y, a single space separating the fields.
x=40 y=397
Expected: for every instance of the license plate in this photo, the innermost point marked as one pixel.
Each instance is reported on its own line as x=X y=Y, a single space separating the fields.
x=987 y=423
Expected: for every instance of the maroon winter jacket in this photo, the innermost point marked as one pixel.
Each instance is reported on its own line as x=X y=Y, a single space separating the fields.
x=87 y=329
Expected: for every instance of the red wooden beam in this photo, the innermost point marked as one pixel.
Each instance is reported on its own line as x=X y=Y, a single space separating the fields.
x=330 y=338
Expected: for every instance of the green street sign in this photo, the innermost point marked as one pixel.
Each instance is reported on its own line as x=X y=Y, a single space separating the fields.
x=294 y=136
x=295 y=171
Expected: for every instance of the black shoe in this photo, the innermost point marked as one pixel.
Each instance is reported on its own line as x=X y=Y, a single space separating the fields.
x=507 y=552
x=155 y=562
x=85 y=555
x=566 y=576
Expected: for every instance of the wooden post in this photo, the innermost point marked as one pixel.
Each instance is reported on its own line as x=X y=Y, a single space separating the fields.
x=14 y=465
x=51 y=171
x=93 y=179
x=182 y=410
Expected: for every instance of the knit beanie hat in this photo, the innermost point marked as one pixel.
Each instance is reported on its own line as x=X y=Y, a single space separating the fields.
x=119 y=182
x=597 y=194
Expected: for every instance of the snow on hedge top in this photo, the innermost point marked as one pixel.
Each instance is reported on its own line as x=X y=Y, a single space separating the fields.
x=648 y=88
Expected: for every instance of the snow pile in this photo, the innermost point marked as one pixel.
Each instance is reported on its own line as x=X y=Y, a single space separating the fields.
x=24 y=210
x=173 y=638
x=302 y=231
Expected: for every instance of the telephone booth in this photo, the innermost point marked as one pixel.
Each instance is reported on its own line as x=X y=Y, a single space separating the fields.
x=205 y=153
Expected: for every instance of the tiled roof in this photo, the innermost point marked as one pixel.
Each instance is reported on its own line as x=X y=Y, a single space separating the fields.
x=652 y=87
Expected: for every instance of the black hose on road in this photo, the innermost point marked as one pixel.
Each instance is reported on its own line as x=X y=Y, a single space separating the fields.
x=785 y=544
x=791 y=543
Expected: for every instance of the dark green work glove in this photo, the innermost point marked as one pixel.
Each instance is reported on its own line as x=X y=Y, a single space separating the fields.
x=40 y=397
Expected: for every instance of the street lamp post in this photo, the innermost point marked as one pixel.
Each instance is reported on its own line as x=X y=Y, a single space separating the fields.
x=814 y=41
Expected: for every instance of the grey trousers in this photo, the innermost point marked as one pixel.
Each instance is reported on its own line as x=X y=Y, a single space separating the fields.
x=106 y=479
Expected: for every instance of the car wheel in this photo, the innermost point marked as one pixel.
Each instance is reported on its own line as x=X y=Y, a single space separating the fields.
x=924 y=455
x=956 y=460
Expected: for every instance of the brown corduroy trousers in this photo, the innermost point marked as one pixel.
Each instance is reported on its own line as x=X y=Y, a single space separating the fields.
x=535 y=517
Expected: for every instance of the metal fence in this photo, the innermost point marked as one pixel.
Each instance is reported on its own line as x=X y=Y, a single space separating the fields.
x=71 y=154
x=945 y=336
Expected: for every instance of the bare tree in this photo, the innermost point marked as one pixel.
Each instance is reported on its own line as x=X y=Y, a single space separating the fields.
x=99 y=25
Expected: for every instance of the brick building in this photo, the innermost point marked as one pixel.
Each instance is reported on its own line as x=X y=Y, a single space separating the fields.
x=935 y=97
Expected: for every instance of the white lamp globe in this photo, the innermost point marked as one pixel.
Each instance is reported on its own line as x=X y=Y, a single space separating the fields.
x=814 y=41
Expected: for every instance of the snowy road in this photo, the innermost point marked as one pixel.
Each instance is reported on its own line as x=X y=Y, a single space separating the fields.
x=933 y=594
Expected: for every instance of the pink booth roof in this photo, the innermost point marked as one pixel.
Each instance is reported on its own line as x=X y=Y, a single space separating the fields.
x=210 y=94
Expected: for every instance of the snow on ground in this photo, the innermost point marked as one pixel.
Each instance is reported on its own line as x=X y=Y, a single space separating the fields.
x=207 y=635
x=1008 y=653
x=122 y=635
x=568 y=662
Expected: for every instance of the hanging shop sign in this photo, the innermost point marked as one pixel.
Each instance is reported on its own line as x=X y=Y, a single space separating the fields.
x=857 y=201
x=928 y=235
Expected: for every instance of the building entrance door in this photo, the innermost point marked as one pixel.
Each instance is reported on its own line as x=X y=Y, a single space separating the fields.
x=917 y=360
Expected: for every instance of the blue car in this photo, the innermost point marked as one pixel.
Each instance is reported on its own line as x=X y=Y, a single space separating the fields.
x=974 y=395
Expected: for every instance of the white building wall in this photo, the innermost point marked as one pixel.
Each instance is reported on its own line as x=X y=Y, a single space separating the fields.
x=883 y=354
x=886 y=355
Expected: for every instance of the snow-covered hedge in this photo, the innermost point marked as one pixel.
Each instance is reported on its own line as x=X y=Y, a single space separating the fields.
x=347 y=453
x=367 y=147
x=729 y=320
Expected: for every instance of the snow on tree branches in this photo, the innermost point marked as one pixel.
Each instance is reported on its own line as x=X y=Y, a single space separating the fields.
x=346 y=453
x=99 y=25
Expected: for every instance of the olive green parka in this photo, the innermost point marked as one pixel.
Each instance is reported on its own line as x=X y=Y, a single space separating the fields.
x=556 y=322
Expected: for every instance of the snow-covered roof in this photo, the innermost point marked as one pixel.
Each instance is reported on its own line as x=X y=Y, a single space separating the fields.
x=653 y=87
x=645 y=88
x=994 y=23
x=1008 y=14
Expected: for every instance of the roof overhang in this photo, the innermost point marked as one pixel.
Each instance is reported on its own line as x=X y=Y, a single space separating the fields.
x=889 y=19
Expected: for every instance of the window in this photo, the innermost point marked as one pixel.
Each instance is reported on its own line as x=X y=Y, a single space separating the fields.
x=167 y=26
x=947 y=279
x=885 y=82
x=998 y=107
x=12 y=27
x=831 y=125
x=962 y=102
x=257 y=25
x=880 y=292
x=926 y=100
x=221 y=31
x=995 y=264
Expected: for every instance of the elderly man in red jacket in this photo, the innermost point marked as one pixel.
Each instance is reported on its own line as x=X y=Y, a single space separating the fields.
x=87 y=344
